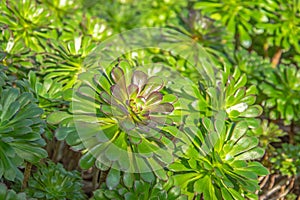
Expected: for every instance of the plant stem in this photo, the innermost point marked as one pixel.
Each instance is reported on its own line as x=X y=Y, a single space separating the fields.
x=276 y=58
x=291 y=133
x=26 y=175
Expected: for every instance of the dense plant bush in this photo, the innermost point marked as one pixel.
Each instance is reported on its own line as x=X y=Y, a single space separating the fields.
x=54 y=182
x=140 y=190
x=203 y=105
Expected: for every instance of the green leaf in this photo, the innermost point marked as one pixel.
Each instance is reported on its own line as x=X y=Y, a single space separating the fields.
x=257 y=168
x=225 y=193
x=178 y=167
x=128 y=179
x=11 y=111
x=183 y=179
x=87 y=161
x=209 y=190
x=63 y=132
x=252 y=111
x=200 y=184
x=174 y=193
x=236 y=195
x=57 y=117
x=29 y=152
x=289 y=112
x=252 y=154
x=113 y=178
x=239 y=130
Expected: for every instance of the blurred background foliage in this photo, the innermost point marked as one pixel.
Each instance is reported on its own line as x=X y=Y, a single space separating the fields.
x=255 y=45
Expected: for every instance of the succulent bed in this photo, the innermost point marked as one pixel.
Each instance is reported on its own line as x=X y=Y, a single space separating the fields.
x=159 y=100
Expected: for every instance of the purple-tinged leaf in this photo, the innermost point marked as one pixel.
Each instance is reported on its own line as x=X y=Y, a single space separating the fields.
x=118 y=77
x=139 y=78
x=165 y=108
x=107 y=98
x=117 y=74
x=127 y=124
x=132 y=90
x=118 y=93
x=154 y=98
x=153 y=84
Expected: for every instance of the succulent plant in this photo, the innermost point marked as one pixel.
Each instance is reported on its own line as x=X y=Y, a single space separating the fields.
x=116 y=13
x=236 y=15
x=149 y=93
x=52 y=181
x=95 y=27
x=286 y=159
x=161 y=13
x=281 y=86
x=9 y=194
x=28 y=22
x=65 y=62
x=137 y=105
x=14 y=54
x=267 y=133
x=140 y=190
x=281 y=23
x=21 y=127
x=253 y=65
x=238 y=99
x=130 y=111
x=216 y=166
x=48 y=93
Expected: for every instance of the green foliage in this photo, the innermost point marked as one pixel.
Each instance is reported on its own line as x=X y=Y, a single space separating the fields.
x=48 y=94
x=21 y=127
x=52 y=181
x=253 y=65
x=148 y=121
x=28 y=22
x=215 y=165
x=281 y=86
x=130 y=110
x=140 y=190
x=8 y=194
x=239 y=101
x=66 y=61
x=236 y=15
x=267 y=133
x=280 y=23
x=286 y=159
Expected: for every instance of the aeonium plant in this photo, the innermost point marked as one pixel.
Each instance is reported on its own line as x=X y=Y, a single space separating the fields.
x=219 y=163
x=137 y=105
x=119 y=116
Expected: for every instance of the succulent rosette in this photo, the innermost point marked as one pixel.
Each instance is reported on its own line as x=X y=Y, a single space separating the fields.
x=137 y=105
x=120 y=118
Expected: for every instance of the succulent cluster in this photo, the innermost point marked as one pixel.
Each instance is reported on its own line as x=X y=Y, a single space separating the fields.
x=286 y=159
x=52 y=181
x=187 y=109
x=140 y=190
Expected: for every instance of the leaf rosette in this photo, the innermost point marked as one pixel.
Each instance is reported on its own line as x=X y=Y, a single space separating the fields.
x=21 y=127
x=138 y=105
x=219 y=163
x=120 y=116
x=53 y=181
